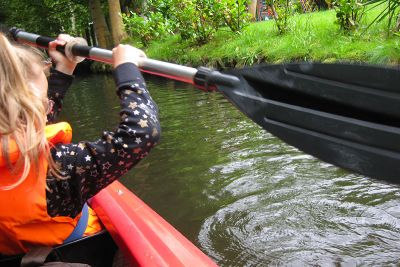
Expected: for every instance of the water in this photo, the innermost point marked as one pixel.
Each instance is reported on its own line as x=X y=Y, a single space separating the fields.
x=240 y=194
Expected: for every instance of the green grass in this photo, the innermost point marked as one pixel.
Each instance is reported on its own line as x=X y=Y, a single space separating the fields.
x=312 y=36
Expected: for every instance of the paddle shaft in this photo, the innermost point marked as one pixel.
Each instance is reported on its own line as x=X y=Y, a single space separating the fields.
x=201 y=77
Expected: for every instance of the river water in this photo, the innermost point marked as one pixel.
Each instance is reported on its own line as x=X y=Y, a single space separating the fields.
x=241 y=195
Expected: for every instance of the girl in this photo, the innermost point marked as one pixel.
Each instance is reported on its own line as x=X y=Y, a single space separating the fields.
x=45 y=181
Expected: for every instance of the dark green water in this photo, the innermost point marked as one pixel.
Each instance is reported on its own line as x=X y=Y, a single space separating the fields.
x=241 y=195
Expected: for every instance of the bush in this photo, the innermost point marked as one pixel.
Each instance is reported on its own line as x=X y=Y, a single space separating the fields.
x=282 y=10
x=148 y=27
x=197 y=20
x=348 y=13
x=235 y=14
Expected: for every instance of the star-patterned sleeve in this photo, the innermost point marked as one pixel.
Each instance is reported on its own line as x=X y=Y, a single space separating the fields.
x=88 y=167
x=58 y=85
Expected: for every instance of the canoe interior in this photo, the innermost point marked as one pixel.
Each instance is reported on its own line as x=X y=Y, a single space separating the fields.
x=97 y=251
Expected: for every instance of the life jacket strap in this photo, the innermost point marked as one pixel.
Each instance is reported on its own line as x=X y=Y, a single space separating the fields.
x=80 y=227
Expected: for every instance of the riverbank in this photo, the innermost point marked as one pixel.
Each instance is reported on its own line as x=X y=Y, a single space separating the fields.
x=312 y=36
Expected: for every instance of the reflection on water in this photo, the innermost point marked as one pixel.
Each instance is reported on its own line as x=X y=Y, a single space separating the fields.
x=241 y=195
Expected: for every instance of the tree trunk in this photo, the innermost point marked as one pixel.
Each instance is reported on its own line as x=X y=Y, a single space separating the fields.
x=398 y=22
x=253 y=9
x=272 y=6
x=73 y=19
x=117 y=26
x=124 y=6
x=322 y=4
x=100 y=25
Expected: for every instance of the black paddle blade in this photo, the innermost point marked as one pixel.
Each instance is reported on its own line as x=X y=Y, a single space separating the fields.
x=347 y=115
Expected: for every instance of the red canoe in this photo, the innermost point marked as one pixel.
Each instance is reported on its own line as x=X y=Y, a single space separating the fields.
x=143 y=235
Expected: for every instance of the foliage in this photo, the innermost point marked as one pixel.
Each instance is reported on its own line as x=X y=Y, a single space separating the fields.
x=153 y=21
x=31 y=19
x=235 y=14
x=148 y=27
x=198 y=20
x=299 y=7
x=168 y=10
x=165 y=7
x=282 y=10
x=135 y=5
x=47 y=17
x=322 y=4
x=390 y=12
x=73 y=16
x=348 y=13
x=310 y=5
x=195 y=21
x=312 y=38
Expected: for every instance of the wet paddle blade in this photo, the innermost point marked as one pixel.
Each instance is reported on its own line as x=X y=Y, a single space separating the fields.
x=347 y=115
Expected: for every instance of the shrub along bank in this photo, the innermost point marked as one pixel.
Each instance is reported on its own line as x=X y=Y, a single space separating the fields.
x=310 y=37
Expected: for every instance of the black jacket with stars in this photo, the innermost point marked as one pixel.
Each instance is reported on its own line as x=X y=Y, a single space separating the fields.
x=88 y=167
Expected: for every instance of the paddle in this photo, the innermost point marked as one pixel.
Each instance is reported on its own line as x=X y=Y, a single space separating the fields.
x=344 y=114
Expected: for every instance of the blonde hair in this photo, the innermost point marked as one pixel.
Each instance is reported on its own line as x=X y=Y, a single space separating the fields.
x=22 y=109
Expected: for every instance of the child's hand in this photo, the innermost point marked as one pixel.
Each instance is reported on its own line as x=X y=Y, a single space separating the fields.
x=126 y=53
x=62 y=63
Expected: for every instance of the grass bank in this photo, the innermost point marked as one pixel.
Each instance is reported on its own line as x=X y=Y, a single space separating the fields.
x=312 y=36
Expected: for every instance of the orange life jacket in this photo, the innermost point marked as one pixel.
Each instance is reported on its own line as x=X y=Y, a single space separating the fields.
x=24 y=222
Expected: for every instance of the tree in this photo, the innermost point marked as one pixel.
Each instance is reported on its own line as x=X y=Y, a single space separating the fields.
x=117 y=26
x=100 y=25
x=398 y=23
x=33 y=19
x=46 y=17
x=72 y=16
x=253 y=9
